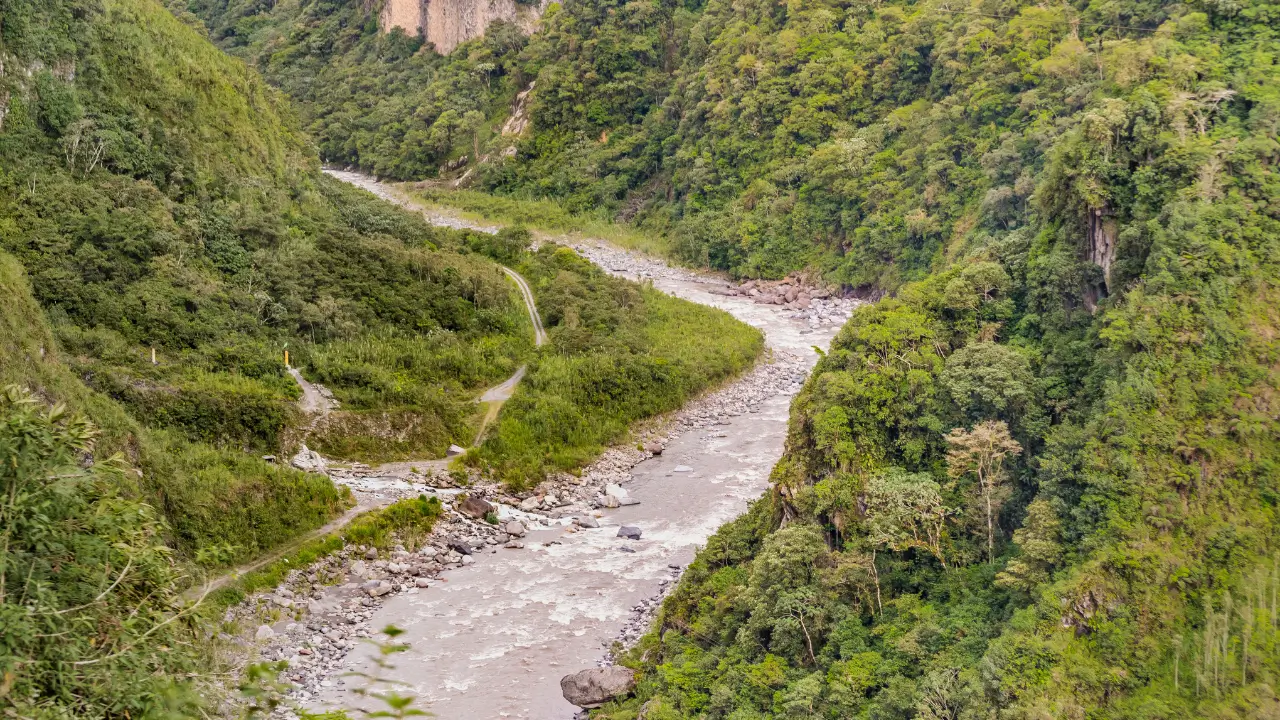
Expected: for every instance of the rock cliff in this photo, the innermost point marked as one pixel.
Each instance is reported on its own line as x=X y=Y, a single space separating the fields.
x=449 y=23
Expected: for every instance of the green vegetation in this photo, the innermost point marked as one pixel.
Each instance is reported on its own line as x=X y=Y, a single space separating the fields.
x=1040 y=480
x=221 y=505
x=160 y=199
x=542 y=215
x=381 y=102
x=94 y=624
x=165 y=234
x=618 y=353
x=407 y=520
x=87 y=586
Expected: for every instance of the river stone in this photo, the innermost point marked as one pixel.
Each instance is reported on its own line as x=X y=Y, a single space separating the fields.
x=586 y=521
x=422 y=582
x=630 y=532
x=476 y=508
x=682 y=468
x=654 y=448
x=611 y=502
x=264 y=633
x=614 y=490
x=628 y=501
x=530 y=504
x=515 y=528
x=597 y=686
x=455 y=451
x=459 y=547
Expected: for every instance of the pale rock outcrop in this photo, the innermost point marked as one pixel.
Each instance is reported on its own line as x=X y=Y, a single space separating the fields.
x=593 y=688
x=446 y=24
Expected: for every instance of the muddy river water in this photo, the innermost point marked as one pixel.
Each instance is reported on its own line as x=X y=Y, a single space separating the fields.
x=494 y=639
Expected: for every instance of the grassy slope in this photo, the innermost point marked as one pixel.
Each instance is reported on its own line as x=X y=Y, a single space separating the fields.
x=215 y=500
x=159 y=195
x=618 y=353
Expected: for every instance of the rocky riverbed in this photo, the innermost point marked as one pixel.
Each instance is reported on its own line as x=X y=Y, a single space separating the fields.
x=566 y=572
x=323 y=612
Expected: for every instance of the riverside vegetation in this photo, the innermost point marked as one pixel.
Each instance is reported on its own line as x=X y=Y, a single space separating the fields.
x=1039 y=479
x=156 y=194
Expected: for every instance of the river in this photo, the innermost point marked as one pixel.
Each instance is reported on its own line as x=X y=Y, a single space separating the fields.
x=494 y=639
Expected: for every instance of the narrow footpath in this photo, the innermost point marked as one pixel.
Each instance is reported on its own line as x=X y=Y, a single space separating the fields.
x=317 y=401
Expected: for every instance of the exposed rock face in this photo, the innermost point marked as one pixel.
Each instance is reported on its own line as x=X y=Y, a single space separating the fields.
x=597 y=686
x=519 y=120
x=449 y=23
x=1100 y=249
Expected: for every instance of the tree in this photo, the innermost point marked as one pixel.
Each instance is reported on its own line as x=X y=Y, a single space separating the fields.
x=1039 y=539
x=905 y=510
x=981 y=452
x=987 y=379
x=87 y=589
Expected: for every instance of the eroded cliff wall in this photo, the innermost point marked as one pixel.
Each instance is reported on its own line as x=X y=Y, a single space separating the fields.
x=449 y=23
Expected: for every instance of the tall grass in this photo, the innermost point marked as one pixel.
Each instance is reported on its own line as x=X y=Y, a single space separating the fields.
x=406 y=520
x=541 y=214
x=619 y=353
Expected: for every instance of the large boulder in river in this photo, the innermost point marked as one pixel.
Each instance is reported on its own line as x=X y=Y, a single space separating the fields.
x=597 y=686
x=476 y=508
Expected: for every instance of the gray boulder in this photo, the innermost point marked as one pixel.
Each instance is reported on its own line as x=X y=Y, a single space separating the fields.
x=586 y=521
x=515 y=528
x=597 y=686
x=630 y=532
x=476 y=507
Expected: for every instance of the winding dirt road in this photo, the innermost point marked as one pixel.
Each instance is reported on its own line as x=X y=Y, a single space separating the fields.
x=539 y=334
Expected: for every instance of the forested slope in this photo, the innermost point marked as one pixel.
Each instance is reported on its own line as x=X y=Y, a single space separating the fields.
x=1039 y=481
x=381 y=102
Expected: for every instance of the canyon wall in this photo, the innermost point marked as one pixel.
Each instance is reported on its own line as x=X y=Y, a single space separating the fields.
x=449 y=23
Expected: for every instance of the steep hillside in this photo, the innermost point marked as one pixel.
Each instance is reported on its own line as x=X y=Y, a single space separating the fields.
x=868 y=141
x=160 y=197
x=1039 y=481
x=378 y=101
